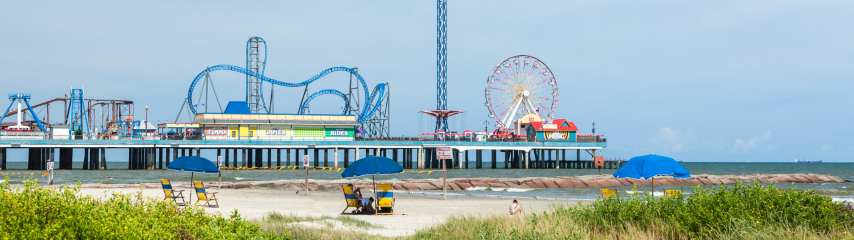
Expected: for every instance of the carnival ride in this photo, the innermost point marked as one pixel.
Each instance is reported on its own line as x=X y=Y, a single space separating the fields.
x=518 y=86
x=21 y=97
x=375 y=101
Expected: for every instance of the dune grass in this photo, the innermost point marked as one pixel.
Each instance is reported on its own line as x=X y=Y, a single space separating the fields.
x=740 y=211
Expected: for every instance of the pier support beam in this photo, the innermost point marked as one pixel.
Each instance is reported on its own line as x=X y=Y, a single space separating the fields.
x=326 y=157
x=243 y=158
x=420 y=158
x=226 y=158
x=346 y=158
x=288 y=157
x=278 y=157
x=249 y=160
x=336 y=158
x=94 y=158
x=259 y=158
x=269 y=157
x=234 y=157
x=2 y=158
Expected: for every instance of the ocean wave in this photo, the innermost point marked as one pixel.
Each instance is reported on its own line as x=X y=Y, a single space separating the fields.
x=499 y=189
x=238 y=178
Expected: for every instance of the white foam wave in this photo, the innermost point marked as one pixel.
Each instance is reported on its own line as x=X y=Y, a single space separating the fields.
x=499 y=189
x=238 y=178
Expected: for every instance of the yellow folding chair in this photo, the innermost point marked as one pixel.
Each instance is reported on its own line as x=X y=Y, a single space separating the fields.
x=350 y=198
x=671 y=193
x=609 y=194
x=204 y=195
x=385 y=200
x=172 y=193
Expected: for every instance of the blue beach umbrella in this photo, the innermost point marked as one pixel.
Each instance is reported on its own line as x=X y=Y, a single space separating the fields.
x=648 y=166
x=193 y=164
x=372 y=165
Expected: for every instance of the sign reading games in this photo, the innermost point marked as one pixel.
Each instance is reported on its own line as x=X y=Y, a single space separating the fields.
x=339 y=132
x=274 y=132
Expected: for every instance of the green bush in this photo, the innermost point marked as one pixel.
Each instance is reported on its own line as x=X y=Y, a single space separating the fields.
x=721 y=209
x=34 y=212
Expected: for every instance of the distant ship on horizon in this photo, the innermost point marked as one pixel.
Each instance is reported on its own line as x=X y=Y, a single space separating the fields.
x=807 y=161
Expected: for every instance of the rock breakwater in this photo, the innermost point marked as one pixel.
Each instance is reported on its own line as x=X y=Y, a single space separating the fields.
x=593 y=181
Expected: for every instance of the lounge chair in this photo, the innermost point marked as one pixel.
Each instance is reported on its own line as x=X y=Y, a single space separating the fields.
x=609 y=194
x=204 y=195
x=385 y=200
x=350 y=197
x=172 y=193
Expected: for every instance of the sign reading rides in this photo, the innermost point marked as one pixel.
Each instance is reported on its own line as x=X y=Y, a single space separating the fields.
x=339 y=132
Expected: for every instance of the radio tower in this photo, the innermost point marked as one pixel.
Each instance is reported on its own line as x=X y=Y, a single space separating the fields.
x=441 y=113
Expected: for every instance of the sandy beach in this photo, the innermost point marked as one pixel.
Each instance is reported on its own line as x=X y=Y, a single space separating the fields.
x=414 y=211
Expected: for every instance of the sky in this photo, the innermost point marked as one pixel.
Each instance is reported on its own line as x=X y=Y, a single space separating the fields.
x=695 y=80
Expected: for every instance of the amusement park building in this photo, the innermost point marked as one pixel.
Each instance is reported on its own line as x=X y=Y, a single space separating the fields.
x=236 y=123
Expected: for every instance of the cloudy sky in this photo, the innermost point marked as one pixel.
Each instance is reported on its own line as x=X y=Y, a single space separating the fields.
x=696 y=80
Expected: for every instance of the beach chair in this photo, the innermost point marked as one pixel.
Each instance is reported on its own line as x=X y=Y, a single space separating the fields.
x=204 y=195
x=671 y=193
x=609 y=194
x=171 y=193
x=385 y=200
x=350 y=198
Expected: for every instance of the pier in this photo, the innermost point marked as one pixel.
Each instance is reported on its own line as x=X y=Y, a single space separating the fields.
x=156 y=154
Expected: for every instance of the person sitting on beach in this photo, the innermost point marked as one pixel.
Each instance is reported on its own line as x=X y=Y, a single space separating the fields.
x=515 y=207
x=368 y=208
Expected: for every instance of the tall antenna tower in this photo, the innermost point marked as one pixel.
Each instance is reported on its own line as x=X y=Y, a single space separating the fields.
x=254 y=86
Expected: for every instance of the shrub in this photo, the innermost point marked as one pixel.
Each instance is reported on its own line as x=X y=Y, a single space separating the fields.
x=34 y=212
x=720 y=209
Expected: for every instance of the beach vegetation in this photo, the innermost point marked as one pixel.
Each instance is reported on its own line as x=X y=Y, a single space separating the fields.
x=30 y=211
x=740 y=211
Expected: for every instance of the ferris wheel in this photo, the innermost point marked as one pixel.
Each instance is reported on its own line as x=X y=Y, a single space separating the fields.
x=518 y=86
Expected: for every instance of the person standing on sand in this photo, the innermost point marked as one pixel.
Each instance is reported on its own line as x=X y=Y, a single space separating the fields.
x=515 y=207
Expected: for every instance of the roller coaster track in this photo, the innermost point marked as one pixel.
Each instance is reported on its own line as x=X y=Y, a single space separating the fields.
x=375 y=97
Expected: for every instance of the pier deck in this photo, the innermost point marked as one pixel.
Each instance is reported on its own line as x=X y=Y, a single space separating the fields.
x=151 y=154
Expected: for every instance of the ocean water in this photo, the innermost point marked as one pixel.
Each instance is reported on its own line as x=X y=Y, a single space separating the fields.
x=118 y=174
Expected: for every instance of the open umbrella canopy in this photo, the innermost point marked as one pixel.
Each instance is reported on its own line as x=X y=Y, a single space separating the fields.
x=651 y=165
x=193 y=164
x=370 y=166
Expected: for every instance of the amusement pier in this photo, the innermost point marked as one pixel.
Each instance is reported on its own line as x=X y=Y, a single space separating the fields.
x=521 y=94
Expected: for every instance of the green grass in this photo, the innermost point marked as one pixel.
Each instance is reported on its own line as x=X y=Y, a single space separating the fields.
x=31 y=211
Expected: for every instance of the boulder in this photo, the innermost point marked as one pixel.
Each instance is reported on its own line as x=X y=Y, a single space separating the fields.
x=591 y=183
x=550 y=183
x=409 y=186
x=464 y=185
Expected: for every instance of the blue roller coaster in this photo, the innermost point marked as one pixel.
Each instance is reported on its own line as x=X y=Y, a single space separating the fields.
x=254 y=90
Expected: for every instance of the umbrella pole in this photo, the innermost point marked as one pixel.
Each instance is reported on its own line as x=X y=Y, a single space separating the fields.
x=376 y=194
x=192 y=186
x=653 y=186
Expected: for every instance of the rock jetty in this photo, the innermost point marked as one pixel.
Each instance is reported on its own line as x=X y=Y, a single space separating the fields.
x=593 y=181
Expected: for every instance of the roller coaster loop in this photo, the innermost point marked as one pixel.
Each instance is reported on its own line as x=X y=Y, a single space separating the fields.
x=324 y=92
x=367 y=112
